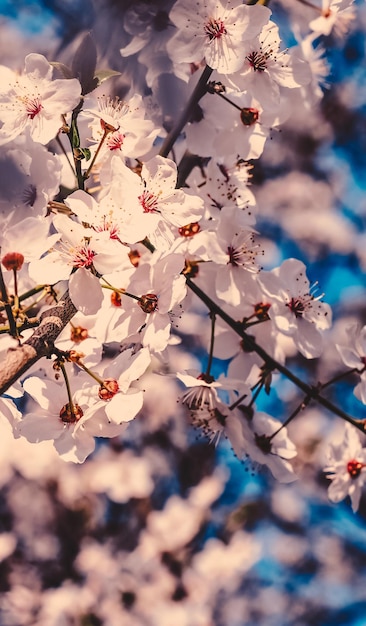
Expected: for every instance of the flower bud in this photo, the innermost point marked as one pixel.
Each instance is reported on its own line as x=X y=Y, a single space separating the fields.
x=148 y=302
x=13 y=261
x=108 y=389
x=71 y=413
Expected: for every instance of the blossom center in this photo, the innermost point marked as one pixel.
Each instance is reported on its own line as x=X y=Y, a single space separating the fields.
x=115 y=141
x=296 y=306
x=108 y=226
x=257 y=60
x=116 y=299
x=354 y=468
x=264 y=443
x=242 y=252
x=326 y=12
x=33 y=106
x=215 y=29
x=83 y=257
x=149 y=202
x=29 y=195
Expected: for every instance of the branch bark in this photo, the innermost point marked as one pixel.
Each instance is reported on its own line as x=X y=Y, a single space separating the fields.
x=18 y=360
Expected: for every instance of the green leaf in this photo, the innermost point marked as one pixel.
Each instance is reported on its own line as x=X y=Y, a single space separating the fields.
x=75 y=139
x=63 y=69
x=102 y=75
x=84 y=64
x=86 y=153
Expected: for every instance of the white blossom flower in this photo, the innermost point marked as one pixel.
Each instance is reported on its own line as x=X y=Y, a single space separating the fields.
x=346 y=468
x=148 y=206
x=235 y=250
x=114 y=400
x=130 y=134
x=158 y=288
x=266 y=442
x=295 y=310
x=354 y=356
x=76 y=256
x=72 y=428
x=35 y=100
x=215 y=31
x=265 y=68
x=30 y=177
x=336 y=16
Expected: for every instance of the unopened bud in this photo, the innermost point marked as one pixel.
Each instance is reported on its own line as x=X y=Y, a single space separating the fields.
x=249 y=116
x=108 y=389
x=148 y=302
x=189 y=230
x=116 y=299
x=71 y=413
x=13 y=261
x=78 y=334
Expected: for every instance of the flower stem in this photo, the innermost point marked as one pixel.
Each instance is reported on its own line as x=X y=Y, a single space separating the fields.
x=354 y=370
x=87 y=173
x=299 y=408
x=212 y=341
x=68 y=389
x=88 y=371
x=7 y=306
x=218 y=93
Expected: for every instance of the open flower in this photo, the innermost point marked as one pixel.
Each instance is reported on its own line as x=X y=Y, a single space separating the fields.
x=266 y=442
x=354 y=355
x=130 y=134
x=78 y=256
x=71 y=426
x=336 y=16
x=265 y=68
x=150 y=205
x=295 y=310
x=35 y=100
x=214 y=31
x=347 y=468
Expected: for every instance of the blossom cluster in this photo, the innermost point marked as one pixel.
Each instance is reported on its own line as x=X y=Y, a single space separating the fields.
x=133 y=228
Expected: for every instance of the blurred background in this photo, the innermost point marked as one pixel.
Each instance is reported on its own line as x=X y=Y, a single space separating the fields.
x=160 y=527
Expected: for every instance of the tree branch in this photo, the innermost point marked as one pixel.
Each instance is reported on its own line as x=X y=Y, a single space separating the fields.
x=311 y=392
x=18 y=360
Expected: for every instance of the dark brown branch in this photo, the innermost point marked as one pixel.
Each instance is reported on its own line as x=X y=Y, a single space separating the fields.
x=18 y=360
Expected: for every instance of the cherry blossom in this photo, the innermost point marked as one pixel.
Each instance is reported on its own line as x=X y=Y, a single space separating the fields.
x=157 y=288
x=35 y=100
x=266 y=442
x=295 y=309
x=236 y=251
x=113 y=400
x=354 y=356
x=78 y=256
x=150 y=205
x=336 y=15
x=71 y=428
x=214 y=31
x=31 y=177
x=129 y=134
x=265 y=68
x=346 y=468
